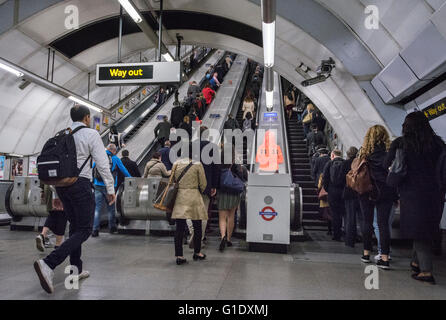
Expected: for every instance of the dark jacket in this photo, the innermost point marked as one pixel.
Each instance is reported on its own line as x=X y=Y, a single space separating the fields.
x=319 y=121
x=335 y=189
x=231 y=124
x=162 y=130
x=187 y=127
x=210 y=170
x=131 y=167
x=378 y=173
x=421 y=200
x=165 y=157
x=349 y=194
x=314 y=139
x=318 y=167
x=193 y=90
x=176 y=115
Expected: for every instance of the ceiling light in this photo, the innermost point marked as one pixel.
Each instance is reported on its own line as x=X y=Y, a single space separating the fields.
x=131 y=10
x=84 y=103
x=269 y=100
x=11 y=70
x=269 y=35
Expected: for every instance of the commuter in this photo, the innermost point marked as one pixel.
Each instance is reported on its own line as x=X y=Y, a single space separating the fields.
x=290 y=102
x=334 y=183
x=315 y=138
x=165 y=155
x=351 y=201
x=228 y=61
x=228 y=201
x=156 y=168
x=221 y=71
x=374 y=151
x=176 y=115
x=307 y=118
x=208 y=94
x=186 y=125
x=162 y=130
x=131 y=167
x=56 y=222
x=231 y=123
x=247 y=123
x=209 y=72
x=248 y=107
x=200 y=105
x=324 y=206
x=116 y=138
x=189 y=204
x=78 y=199
x=318 y=120
x=214 y=82
x=421 y=196
x=319 y=164
x=193 y=89
x=100 y=190
x=256 y=84
x=211 y=172
x=160 y=97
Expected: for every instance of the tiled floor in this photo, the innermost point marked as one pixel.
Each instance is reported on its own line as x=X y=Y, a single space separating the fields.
x=139 y=267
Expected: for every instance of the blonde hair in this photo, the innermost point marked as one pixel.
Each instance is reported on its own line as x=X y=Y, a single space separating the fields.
x=375 y=136
x=310 y=107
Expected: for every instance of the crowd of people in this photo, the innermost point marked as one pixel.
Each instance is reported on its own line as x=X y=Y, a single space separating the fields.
x=419 y=194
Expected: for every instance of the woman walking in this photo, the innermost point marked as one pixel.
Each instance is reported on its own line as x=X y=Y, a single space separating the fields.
x=421 y=198
x=189 y=204
x=374 y=151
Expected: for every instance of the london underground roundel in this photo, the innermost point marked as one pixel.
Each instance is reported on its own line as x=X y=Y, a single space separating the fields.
x=268 y=213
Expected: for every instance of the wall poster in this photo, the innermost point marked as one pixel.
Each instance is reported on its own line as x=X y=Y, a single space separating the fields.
x=97 y=123
x=16 y=167
x=2 y=167
x=32 y=166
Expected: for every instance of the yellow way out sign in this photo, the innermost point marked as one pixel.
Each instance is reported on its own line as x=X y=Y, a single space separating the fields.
x=138 y=73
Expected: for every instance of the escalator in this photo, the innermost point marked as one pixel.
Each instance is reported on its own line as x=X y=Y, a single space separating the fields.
x=301 y=175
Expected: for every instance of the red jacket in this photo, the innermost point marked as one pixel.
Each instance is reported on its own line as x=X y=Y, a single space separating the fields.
x=208 y=94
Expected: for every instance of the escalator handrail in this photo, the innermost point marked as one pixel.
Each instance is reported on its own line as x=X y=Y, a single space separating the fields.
x=285 y=129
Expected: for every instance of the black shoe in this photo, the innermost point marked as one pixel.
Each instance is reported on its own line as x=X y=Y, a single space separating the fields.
x=415 y=269
x=429 y=279
x=383 y=264
x=222 y=244
x=229 y=243
x=113 y=230
x=95 y=233
x=365 y=258
x=197 y=257
x=181 y=261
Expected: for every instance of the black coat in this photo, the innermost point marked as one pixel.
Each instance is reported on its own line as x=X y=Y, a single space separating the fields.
x=162 y=130
x=334 y=189
x=176 y=116
x=378 y=172
x=211 y=170
x=421 y=201
x=131 y=167
x=318 y=167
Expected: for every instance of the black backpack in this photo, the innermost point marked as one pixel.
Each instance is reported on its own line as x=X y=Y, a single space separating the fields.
x=57 y=163
x=337 y=175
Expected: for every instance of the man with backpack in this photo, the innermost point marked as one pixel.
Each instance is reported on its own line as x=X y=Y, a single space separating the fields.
x=231 y=123
x=74 y=188
x=100 y=191
x=333 y=180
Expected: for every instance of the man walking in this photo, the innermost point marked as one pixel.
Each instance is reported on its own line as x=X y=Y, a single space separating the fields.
x=78 y=199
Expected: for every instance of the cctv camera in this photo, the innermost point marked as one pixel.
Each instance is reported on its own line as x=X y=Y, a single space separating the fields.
x=316 y=80
x=326 y=66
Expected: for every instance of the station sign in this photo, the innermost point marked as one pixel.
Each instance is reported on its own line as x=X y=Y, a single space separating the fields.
x=435 y=110
x=122 y=74
x=270 y=116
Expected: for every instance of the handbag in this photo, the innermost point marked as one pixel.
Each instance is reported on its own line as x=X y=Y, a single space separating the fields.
x=166 y=201
x=398 y=169
x=358 y=178
x=231 y=183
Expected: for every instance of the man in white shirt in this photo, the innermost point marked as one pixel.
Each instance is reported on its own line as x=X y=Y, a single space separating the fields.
x=78 y=199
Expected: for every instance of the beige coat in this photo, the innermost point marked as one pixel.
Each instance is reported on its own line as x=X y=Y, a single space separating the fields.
x=155 y=168
x=189 y=202
x=248 y=107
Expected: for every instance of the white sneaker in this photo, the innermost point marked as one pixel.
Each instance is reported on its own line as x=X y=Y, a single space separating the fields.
x=40 y=243
x=377 y=257
x=45 y=275
x=84 y=275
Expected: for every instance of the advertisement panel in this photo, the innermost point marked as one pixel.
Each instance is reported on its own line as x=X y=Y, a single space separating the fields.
x=32 y=166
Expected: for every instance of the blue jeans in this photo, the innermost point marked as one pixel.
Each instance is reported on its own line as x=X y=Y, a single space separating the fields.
x=100 y=195
x=376 y=228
